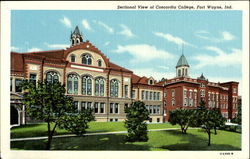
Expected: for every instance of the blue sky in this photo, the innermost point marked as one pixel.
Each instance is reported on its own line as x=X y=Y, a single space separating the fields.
x=146 y=42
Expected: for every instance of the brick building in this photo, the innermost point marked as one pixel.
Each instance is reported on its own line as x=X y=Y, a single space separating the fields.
x=95 y=82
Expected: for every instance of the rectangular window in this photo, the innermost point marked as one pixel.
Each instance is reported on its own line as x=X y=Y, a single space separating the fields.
x=89 y=105
x=173 y=102
x=96 y=107
x=18 y=85
x=165 y=94
x=154 y=108
x=111 y=108
x=150 y=109
x=173 y=92
x=102 y=108
x=147 y=107
x=133 y=94
x=11 y=84
x=142 y=95
x=185 y=93
x=158 y=109
x=150 y=95
x=76 y=105
x=235 y=90
x=116 y=108
x=126 y=91
x=158 y=95
x=146 y=95
x=33 y=78
x=154 y=95
x=83 y=105
x=125 y=106
x=158 y=120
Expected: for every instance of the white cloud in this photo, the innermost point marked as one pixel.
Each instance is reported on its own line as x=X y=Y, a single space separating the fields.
x=221 y=59
x=227 y=35
x=126 y=31
x=86 y=25
x=173 y=39
x=163 y=67
x=224 y=36
x=143 y=52
x=66 y=22
x=107 y=43
x=57 y=46
x=13 y=48
x=157 y=75
x=105 y=26
x=34 y=49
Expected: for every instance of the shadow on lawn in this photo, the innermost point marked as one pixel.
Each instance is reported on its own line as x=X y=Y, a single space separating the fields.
x=105 y=142
x=195 y=143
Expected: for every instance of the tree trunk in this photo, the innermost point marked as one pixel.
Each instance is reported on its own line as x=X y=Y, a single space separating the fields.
x=49 y=137
x=209 y=137
x=215 y=132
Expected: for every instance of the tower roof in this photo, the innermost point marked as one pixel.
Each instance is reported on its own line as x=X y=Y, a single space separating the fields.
x=77 y=31
x=182 y=61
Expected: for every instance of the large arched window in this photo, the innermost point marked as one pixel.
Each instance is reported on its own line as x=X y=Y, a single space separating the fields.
x=72 y=84
x=86 y=85
x=86 y=59
x=99 y=86
x=114 y=88
x=52 y=76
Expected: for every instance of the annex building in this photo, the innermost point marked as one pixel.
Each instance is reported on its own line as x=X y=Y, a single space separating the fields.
x=95 y=82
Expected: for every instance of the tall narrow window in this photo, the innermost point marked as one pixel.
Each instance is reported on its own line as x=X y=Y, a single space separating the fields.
x=154 y=109
x=146 y=95
x=102 y=108
x=125 y=106
x=126 y=91
x=142 y=95
x=116 y=108
x=114 y=88
x=76 y=105
x=86 y=85
x=99 y=87
x=150 y=109
x=111 y=108
x=154 y=95
x=86 y=59
x=89 y=105
x=96 y=107
x=33 y=79
x=133 y=94
x=18 y=85
x=158 y=95
x=52 y=77
x=83 y=105
x=11 y=84
x=151 y=95
x=73 y=58
x=173 y=92
x=72 y=84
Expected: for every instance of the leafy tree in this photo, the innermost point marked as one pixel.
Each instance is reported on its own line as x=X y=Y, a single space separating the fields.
x=183 y=117
x=237 y=119
x=135 y=123
x=218 y=119
x=47 y=101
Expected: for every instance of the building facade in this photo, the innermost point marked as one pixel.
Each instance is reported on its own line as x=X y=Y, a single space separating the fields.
x=95 y=82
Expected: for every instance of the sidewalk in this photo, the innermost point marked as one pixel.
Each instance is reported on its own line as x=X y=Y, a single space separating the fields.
x=89 y=134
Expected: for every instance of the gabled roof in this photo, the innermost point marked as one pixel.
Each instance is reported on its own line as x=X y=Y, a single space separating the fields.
x=182 y=61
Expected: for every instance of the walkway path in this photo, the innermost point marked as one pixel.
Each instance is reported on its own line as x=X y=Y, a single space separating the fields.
x=89 y=134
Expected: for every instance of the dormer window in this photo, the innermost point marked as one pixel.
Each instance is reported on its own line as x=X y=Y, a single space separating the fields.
x=73 y=58
x=86 y=59
x=99 y=63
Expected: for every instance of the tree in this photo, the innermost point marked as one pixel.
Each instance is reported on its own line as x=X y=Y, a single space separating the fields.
x=237 y=119
x=47 y=101
x=219 y=120
x=183 y=117
x=135 y=123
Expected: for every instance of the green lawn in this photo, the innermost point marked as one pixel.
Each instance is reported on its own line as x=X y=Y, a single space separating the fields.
x=196 y=139
x=33 y=130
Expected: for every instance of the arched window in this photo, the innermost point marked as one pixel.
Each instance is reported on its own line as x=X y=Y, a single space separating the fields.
x=86 y=59
x=73 y=41
x=86 y=85
x=73 y=58
x=99 y=63
x=99 y=86
x=72 y=84
x=179 y=72
x=114 y=88
x=52 y=76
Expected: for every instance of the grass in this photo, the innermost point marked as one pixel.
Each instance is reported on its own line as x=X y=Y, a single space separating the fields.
x=172 y=140
x=33 y=130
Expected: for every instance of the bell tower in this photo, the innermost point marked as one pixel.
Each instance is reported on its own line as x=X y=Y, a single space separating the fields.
x=182 y=67
x=76 y=37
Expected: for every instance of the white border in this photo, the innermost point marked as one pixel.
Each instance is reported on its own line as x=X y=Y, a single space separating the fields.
x=6 y=7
